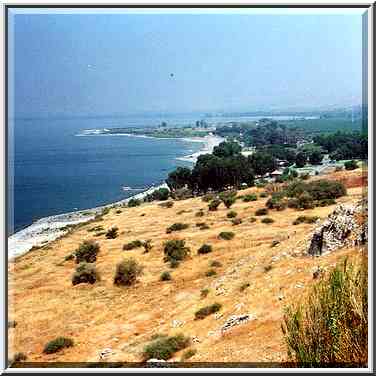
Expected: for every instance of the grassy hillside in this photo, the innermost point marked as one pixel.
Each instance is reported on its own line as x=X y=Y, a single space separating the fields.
x=260 y=271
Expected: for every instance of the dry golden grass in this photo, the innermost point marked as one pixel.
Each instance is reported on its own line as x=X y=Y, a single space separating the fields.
x=45 y=305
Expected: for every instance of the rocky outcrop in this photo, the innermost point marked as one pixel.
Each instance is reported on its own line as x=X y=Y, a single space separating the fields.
x=346 y=226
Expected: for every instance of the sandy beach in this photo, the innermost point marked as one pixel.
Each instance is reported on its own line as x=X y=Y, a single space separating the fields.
x=50 y=228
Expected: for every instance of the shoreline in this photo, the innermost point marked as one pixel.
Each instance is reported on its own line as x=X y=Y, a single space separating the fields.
x=48 y=229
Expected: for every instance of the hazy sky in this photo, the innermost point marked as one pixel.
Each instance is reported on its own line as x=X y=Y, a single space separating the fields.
x=79 y=64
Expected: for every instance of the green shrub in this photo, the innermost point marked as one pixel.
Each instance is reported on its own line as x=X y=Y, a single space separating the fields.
x=188 y=354
x=267 y=220
x=305 y=219
x=232 y=214
x=175 y=250
x=215 y=264
x=208 y=310
x=85 y=273
x=167 y=204
x=87 y=251
x=210 y=273
x=202 y=226
x=250 y=197
x=330 y=328
x=133 y=202
x=57 y=344
x=304 y=176
x=164 y=348
x=118 y=211
x=147 y=246
x=351 y=165
x=277 y=201
x=261 y=211
x=226 y=235
x=182 y=194
x=244 y=286
x=228 y=201
x=213 y=205
x=200 y=213
x=105 y=211
x=127 y=272
x=112 y=233
x=132 y=245
x=161 y=194
x=174 y=263
x=326 y=202
x=263 y=194
x=208 y=197
x=19 y=357
x=268 y=268
x=95 y=228
x=305 y=201
x=205 y=248
x=204 y=293
x=236 y=221
x=166 y=276
x=253 y=219
x=177 y=227
x=69 y=257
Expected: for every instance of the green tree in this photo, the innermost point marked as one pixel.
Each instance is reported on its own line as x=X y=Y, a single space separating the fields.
x=301 y=160
x=179 y=178
x=262 y=163
x=227 y=149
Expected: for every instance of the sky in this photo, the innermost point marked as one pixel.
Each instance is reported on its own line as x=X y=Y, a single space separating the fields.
x=82 y=63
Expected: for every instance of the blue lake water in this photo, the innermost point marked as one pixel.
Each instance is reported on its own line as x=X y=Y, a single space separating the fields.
x=56 y=171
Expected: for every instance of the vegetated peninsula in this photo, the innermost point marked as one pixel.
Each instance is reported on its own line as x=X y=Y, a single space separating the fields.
x=246 y=258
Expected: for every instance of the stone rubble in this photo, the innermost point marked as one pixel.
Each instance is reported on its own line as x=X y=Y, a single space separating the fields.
x=237 y=320
x=345 y=226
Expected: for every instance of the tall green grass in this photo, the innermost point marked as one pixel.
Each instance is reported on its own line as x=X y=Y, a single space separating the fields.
x=331 y=327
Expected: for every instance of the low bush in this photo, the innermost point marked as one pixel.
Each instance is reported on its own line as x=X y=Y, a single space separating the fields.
x=351 y=165
x=175 y=250
x=147 y=246
x=87 y=251
x=182 y=194
x=213 y=205
x=165 y=347
x=57 y=344
x=202 y=226
x=226 y=235
x=174 y=264
x=167 y=204
x=95 y=228
x=208 y=197
x=127 y=272
x=267 y=220
x=305 y=219
x=132 y=245
x=228 y=201
x=236 y=221
x=215 y=264
x=244 y=286
x=277 y=201
x=204 y=293
x=133 y=202
x=118 y=211
x=177 y=227
x=330 y=327
x=250 y=197
x=69 y=257
x=263 y=194
x=326 y=202
x=200 y=213
x=188 y=354
x=19 y=357
x=268 y=268
x=165 y=276
x=232 y=214
x=205 y=248
x=160 y=194
x=85 y=273
x=261 y=211
x=112 y=233
x=304 y=176
x=252 y=219
x=210 y=273
x=208 y=310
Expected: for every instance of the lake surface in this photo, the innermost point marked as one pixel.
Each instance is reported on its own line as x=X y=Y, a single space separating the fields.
x=53 y=171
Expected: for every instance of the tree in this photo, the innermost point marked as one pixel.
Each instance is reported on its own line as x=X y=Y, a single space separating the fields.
x=262 y=163
x=351 y=165
x=227 y=149
x=179 y=178
x=315 y=157
x=301 y=160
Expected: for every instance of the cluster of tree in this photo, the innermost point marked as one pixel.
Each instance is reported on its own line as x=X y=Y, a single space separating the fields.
x=269 y=132
x=225 y=167
x=342 y=145
x=201 y=124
